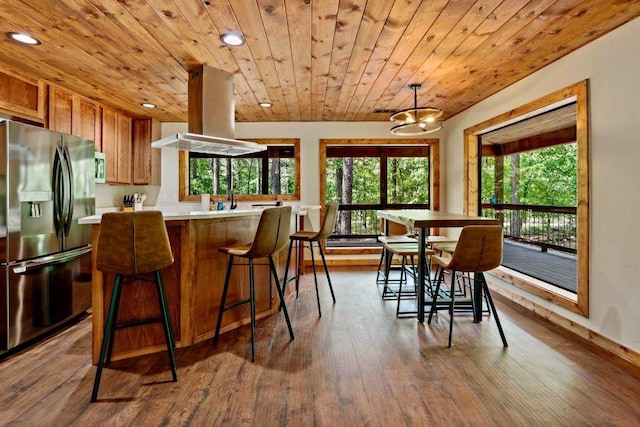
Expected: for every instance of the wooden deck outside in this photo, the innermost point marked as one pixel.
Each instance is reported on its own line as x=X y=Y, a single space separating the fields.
x=357 y=365
x=553 y=267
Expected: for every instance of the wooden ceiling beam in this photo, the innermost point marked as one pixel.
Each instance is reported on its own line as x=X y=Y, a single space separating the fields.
x=543 y=140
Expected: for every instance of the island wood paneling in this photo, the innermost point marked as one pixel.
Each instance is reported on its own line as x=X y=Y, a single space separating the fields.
x=194 y=285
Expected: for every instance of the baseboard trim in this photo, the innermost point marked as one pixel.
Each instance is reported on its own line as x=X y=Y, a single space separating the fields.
x=609 y=346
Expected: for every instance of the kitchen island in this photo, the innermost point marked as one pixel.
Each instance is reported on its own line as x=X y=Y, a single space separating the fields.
x=193 y=284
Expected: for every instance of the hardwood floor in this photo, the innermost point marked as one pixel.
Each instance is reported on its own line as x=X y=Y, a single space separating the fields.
x=357 y=365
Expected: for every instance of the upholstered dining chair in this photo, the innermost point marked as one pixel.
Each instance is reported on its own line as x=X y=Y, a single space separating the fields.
x=271 y=237
x=479 y=249
x=309 y=237
x=131 y=244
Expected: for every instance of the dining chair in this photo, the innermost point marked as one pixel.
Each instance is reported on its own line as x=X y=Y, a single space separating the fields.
x=131 y=244
x=479 y=249
x=309 y=237
x=271 y=237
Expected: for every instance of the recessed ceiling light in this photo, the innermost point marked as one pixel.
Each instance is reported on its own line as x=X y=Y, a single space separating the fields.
x=232 y=39
x=265 y=104
x=23 y=38
x=148 y=105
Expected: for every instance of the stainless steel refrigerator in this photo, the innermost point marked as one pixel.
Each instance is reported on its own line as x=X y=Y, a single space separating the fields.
x=46 y=184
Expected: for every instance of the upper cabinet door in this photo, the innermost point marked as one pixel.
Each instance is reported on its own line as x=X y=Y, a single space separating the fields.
x=22 y=96
x=110 y=144
x=74 y=114
x=60 y=110
x=124 y=149
x=87 y=121
x=141 y=151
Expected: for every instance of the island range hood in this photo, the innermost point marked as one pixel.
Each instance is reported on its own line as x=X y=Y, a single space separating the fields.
x=210 y=117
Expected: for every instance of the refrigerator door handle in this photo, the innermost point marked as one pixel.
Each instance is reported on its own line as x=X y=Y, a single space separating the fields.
x=61 y=258
x=69 y=191
x=58 y=192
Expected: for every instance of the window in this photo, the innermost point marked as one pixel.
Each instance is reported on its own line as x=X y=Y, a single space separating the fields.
x=368 y=175
x=546 y=205
x=269 y=175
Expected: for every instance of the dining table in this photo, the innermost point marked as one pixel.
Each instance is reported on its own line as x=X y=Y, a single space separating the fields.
x=423 y=220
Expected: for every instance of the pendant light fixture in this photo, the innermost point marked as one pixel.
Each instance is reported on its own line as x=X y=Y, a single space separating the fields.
x=416 y=120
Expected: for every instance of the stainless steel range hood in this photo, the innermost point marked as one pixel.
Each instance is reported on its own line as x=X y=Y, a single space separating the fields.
x=211 y=117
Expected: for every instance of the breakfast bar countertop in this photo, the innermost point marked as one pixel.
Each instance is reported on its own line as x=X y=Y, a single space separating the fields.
x=173 y=216
x=227 y=213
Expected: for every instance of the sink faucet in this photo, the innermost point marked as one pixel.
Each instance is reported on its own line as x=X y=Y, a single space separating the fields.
x=234 y=204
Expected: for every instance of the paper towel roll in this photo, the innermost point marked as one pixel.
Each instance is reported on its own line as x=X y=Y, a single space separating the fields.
x=204 y=202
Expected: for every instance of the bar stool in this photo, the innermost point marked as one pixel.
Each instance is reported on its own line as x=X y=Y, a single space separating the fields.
x=271 y=237
x=397 y=233
x=131 y=244
x=407 y=252
x=479 y=249
x=302 y=237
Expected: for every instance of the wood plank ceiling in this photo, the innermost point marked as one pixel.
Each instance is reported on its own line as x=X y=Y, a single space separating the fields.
x=315 y=60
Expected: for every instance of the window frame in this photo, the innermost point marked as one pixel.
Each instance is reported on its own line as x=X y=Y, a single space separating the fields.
x=434 y=165
x=183 y=168
x=579 y=302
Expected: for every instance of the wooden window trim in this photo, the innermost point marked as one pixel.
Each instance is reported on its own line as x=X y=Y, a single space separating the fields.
x=579 y=304
x=434 y=167
x=183 y=178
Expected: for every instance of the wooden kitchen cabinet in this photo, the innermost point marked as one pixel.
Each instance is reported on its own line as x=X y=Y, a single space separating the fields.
x=146 y=161
x=73 y=114
x=116 y=146
x=21 y=96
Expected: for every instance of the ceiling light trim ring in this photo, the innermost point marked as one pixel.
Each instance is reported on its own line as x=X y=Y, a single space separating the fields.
x=233 y=39
x=412 y=129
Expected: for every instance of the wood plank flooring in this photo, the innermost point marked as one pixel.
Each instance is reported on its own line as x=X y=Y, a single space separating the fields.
x=357 y=365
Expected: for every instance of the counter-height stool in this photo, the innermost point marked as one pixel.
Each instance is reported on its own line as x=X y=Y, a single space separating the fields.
x=479 y=249
x=131 y=244
x=271 y=237
x=302 y=237
x=407 y=253
x=396 y=233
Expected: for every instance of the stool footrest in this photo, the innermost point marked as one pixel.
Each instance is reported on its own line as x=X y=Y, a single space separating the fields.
x=236 y=304
x=138 y=322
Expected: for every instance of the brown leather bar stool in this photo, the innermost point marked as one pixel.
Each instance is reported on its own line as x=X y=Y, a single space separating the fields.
x=302 y=237
x=131 y=244
x=479 y=249
x=270 y=238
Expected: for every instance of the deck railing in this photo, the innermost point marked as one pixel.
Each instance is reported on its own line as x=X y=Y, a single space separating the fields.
x=546 y=226
x=364 y=224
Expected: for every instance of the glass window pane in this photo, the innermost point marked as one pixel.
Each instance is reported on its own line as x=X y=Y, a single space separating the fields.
x=407 y=180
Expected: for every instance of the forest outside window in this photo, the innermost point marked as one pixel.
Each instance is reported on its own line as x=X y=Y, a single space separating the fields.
x=272 y=174
x=529 y=168
x=368 y=177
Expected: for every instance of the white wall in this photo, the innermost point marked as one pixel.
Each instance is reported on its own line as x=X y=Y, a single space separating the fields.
x=309 y=133
x=611 y=64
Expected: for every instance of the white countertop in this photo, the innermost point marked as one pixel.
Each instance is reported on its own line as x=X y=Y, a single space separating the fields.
x=174 y=216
